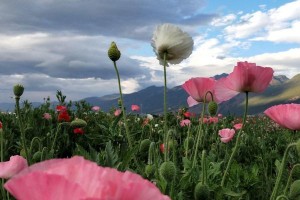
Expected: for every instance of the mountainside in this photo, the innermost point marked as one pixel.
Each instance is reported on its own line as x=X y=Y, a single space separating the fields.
x=281 y=90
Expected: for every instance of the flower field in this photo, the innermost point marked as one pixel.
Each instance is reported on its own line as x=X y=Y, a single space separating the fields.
x=77 y=151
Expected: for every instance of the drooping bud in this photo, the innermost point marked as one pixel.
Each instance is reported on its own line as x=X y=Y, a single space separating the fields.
x=168 y=171
x=212 y=108
x=298 y=146
x=113 y=52
x=296 y=172
x=295 y=190
x=78 y=123
x=144 y=145
x=18 y=90
x=149 y=170
x=201 y=192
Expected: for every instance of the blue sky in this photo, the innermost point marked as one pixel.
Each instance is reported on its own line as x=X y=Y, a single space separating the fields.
x=51 y=45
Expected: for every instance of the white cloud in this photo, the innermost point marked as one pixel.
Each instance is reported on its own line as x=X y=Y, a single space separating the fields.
x=224 y=20
x=276 y=25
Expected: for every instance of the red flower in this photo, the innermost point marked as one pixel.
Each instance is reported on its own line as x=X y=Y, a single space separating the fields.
x=78 y=131
x=162 y=147
x=60 y=108
x=64 y=116
x=0 y=125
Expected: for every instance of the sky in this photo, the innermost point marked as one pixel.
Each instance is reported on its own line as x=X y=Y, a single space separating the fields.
x=51 y=45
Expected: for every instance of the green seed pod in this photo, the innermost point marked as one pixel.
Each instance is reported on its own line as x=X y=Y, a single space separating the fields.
x=113 y=52
x=201 y=192
x=168 y=171
x=144 y=145
x=212 y=108
x=18 y=90
x=78 y=123
x=149 y=170
x=295 y=190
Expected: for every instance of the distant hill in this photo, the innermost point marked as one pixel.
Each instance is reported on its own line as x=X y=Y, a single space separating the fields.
x=281 y=90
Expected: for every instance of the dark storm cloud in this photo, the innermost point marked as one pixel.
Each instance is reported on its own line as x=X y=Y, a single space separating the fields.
x=123 y=18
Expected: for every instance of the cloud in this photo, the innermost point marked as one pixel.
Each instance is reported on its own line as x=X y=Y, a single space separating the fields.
x=279 y=25
x=125 y=18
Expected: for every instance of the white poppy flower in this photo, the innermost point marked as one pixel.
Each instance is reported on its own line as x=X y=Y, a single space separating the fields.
x=170 y=39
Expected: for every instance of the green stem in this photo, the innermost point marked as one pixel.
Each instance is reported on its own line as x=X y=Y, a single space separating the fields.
x=165 y=106
x=22 y=129
x=203 y=166
x=198 y=136
x=2 y=159
x=55 y=137
x=187 y=143
x=290 y=178
x=279 y=176
x=122 y=107
x=238 y=139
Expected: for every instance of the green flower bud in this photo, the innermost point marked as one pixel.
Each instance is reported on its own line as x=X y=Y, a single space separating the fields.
x=212 y=108
x=37 y=156
x=113 y=52
x=149 y=170
x=201 y=192
x=18 y=90
x=168 y=171
x=298 y=146
x=296 y=172
x=23 y=153
x=78 y=123
x=295 y=190
x=144 y=145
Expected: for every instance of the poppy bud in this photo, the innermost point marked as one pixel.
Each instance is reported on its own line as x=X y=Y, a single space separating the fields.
x=78 y=123
x=168 y=171
x=144 y=145
x=201 y=191
x=113 y=52
x=212 y=108
x=295 y=190
x=298 y=146
x=296 y=172
x=18 y=90
x=149 y=170
x=37 y=156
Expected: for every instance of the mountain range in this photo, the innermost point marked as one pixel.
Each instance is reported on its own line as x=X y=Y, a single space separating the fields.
x=281 y=90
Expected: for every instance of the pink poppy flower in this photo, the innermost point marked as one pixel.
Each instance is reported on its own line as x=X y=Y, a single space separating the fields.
x=197 y=88
x=238 y=126
x=135 y=108
x=117 y=112
x=226 y=134
x=286 y=115
x=185 y=122
x=9 y=168
x=95 y=108
x=220 y=115
x=246 y=77
x=213 y=120
x=77 y=179
x=47 y=116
